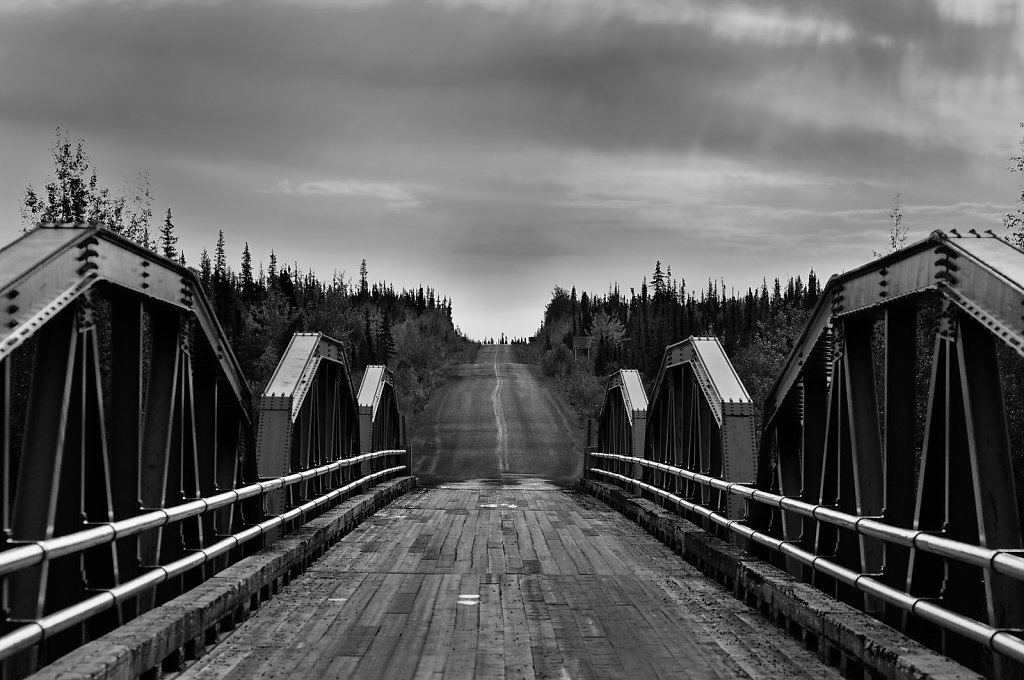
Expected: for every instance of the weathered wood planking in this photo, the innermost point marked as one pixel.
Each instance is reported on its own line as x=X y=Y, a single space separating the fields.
x=486 y=581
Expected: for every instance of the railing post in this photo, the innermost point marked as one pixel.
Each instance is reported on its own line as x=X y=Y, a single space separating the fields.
x=587 y=448
x=406 y=446
x=638 y=444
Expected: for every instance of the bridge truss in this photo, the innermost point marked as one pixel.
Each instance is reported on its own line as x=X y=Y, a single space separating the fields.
x=131 y=471
x=884 y=474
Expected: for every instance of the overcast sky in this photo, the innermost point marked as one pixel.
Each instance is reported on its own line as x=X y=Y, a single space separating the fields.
x=496 y=148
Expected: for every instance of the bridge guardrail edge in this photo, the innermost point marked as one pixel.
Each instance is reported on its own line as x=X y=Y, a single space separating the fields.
x=168 y=637
x=841 y=635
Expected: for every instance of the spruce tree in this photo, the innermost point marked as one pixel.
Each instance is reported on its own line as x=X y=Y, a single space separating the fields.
x=205 y=270
x=168 y=239
x=368 y=353
x=248 y=286
x=220 y=263
x=385 y=339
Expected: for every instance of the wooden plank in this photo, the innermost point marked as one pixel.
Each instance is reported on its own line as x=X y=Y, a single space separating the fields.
x=438 y=641
x=547 y=657
x=449 y=549
x=518 y=659
x=568 y=541
x=490 y=653
x=480 y=540
x=381 y=652
x=441 y=529
x=548 y=563
x=406 y=655
x=553 y=540
x=464 y=548
x=461 y=661
x=349 y=633
x=496 y=563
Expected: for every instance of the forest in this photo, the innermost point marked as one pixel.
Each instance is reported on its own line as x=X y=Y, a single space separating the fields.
x=410 y=331
x=757 y=329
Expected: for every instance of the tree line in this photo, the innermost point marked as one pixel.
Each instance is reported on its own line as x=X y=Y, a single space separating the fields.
x=259 y=308
x=590 y=335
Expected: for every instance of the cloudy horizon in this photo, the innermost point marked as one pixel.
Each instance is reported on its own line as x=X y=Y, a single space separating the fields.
x=493 y=149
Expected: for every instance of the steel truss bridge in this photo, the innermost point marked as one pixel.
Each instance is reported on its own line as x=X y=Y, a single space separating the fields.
x=872 y=498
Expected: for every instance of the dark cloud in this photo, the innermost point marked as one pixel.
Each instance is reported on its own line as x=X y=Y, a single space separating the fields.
x=273 y=85
x=511 y=142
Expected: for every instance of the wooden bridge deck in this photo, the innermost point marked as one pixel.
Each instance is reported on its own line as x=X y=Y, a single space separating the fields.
x=488 y=581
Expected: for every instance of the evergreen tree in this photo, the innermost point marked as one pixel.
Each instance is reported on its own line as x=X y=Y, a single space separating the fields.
x=421 y=301
x=658 y=280
x=220 y=262
x=205 y=270
x=813 y=290
x=364 y=291
x=146 y=241
x=572 y=299
x=168 y=239
x=248 y=285
x=368 y=356
x=385 y=339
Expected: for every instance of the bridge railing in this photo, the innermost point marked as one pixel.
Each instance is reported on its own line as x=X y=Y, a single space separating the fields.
x=122 y=405
x=129 y=468
x=381 y=425
x=622 y=424
x=310 y=419
x=884 y=474
x=701 y=420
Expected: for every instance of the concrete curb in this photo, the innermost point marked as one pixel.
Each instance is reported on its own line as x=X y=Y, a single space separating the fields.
x=859 y=645
x=165 y=638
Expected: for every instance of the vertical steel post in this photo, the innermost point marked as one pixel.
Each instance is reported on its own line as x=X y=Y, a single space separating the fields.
x=815 y=397
x=865 y=438
x=925 y=570
x=998 y=524
x=899 y=447
x=788 y=438
x=157 y=431
x=126 y=403
x=36 y=496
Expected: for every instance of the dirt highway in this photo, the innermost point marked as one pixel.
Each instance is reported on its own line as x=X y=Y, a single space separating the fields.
x=496 y=420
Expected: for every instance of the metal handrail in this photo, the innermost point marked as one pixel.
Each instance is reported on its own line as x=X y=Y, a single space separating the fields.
x=1003 y=562
x=34 y=632
x=1001 y=641
x=30 y=553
